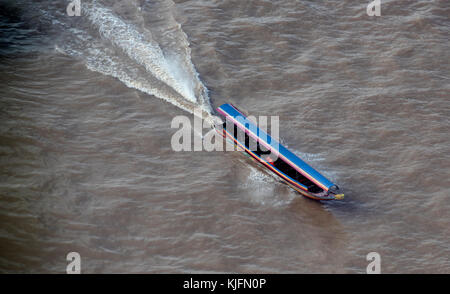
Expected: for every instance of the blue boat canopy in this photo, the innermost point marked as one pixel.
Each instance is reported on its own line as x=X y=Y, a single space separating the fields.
x=240 y=120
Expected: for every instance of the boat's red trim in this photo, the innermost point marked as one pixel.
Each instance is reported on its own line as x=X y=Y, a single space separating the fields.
x=265 y=163
x=271 y=148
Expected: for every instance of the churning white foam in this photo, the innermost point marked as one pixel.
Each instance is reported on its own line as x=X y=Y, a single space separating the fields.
x=145 y=52
x=136 y=59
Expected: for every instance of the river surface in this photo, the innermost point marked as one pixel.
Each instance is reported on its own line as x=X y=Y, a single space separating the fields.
x=87 y=166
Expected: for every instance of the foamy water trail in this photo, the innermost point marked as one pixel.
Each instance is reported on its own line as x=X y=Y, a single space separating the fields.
x=101 y=62
x=145 y=52
x=118 y=48
x=263 y=185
